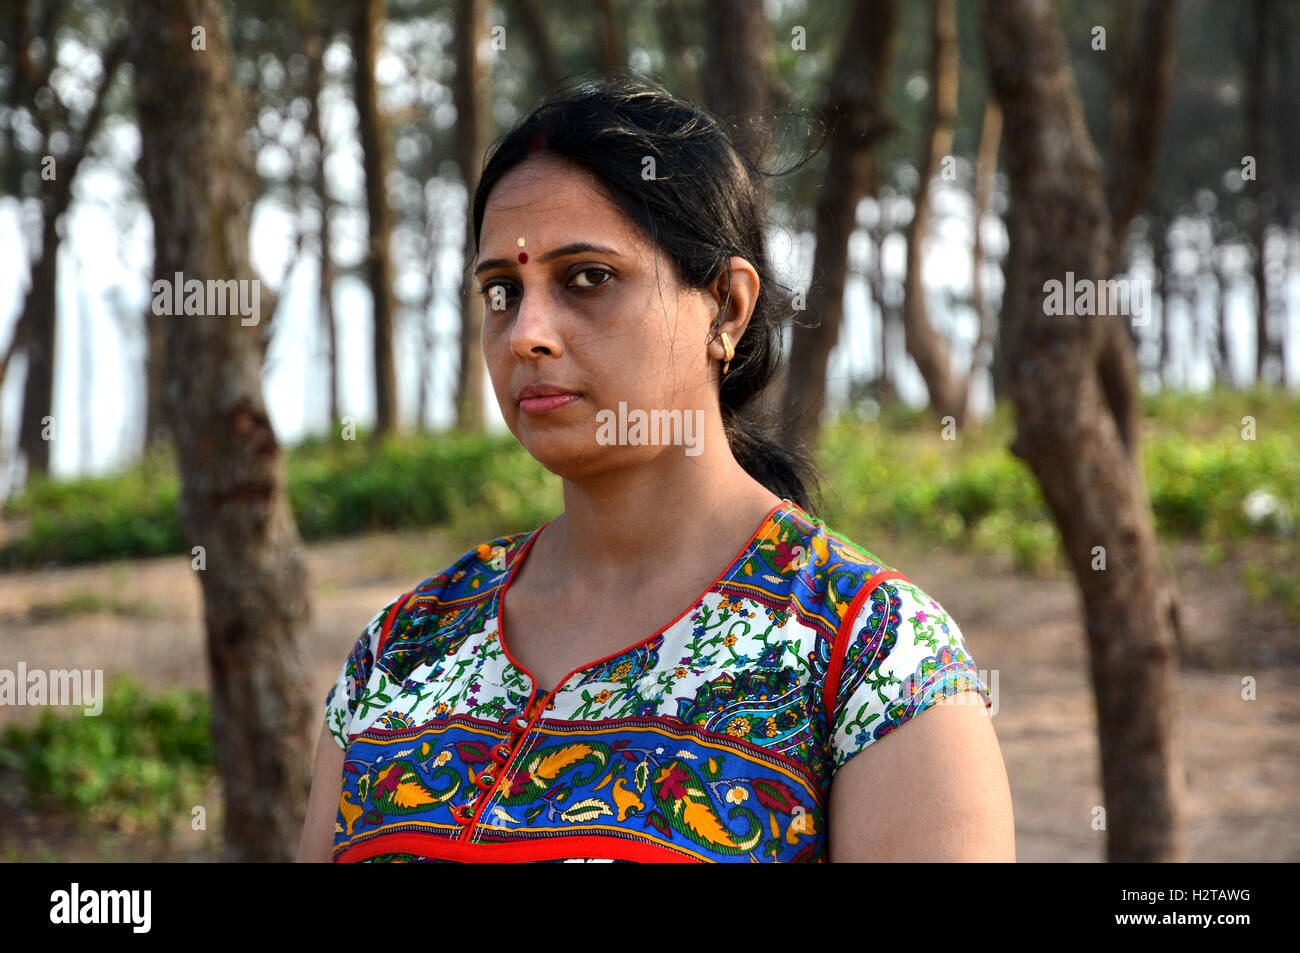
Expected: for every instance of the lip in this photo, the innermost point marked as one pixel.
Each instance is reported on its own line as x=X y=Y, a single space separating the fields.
x=546 y=403
x=540 y=398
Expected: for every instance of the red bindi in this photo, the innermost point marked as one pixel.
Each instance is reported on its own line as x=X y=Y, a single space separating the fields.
x=523 y=258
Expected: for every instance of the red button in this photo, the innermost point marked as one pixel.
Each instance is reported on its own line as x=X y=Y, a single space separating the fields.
x=485 y=780
x=521 y=723
x=501 y=753
x=462 y=814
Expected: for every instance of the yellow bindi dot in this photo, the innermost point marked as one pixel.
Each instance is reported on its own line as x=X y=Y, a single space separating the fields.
x=520 y=241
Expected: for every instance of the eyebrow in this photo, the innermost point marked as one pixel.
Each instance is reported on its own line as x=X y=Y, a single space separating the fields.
x=573 y=248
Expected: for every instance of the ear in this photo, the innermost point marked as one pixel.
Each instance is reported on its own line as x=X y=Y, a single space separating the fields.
x=734 y=296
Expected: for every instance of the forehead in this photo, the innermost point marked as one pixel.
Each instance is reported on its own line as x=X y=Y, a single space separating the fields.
x=544 y=198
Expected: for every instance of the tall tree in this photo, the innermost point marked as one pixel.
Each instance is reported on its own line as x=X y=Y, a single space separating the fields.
x=545 y=56
x=855 y=110
x=198 y=178
x=737 y=77
x=611 y=44
x=1067 y=432
x=933 y=357
x=986 y=169
x=367 y=38
x=1258 y=146
x=65 y=132
x=315 y=32
x=1139 y=98
x=472 y=94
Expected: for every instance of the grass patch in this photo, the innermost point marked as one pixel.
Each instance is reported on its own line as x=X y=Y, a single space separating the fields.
x=142 y=763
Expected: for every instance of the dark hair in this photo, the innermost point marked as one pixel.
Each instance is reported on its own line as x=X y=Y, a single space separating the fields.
x=709 y=207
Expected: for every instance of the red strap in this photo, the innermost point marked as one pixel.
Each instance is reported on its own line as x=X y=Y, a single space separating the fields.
x=388 y=622
x=830 y=688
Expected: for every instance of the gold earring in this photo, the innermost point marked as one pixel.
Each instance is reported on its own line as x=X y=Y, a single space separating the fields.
x=730 y=351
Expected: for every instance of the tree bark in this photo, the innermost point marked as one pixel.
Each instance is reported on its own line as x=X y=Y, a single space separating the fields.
x=986 y=171
x=855 y=110
x=738 y=51
x=539 y=37
x=37 y=323
x=367 y=32
x=198 y=178
x=473 y=130
x=925 y=345
x=612 y=46
x=314 y=35
x=1139 y=103
x=677 y=48
x=1059 y=221
x=1256 y=131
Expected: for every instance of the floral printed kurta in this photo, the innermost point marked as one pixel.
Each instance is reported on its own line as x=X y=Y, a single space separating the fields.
x=714 y=739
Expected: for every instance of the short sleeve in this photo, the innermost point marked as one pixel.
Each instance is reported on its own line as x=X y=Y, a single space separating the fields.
x=903 y=654
x=348 y=688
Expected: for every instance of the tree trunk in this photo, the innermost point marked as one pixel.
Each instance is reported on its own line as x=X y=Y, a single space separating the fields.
x=1164 y=291
x=612 y=46
x=313 y=45
x=155 y=415
x=36 y=329
x=877 y=234
x=855 y=111
x=1138 y=105
x=1058 y=222
x=38 y=387
x=1256 y=133
x=473 y=131
x=199 y=181
x=677 y=48
x=367 y=32
x=539 y=37
x=986 y=172
x=924 y=344
x=1221 y=283
x=738 y=54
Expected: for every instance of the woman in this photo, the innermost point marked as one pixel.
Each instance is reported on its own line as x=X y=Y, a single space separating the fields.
x=685 y=663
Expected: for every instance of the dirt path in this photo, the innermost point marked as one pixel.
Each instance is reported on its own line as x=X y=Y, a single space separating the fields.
x=1242 y=757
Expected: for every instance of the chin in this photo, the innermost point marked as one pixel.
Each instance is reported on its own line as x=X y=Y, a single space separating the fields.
x=571 y=453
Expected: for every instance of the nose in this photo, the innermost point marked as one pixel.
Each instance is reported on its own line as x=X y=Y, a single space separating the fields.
x=536 y=327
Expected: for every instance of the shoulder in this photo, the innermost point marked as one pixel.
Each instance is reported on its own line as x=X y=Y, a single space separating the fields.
x=887 y=639
x=832 y=575
x=471 y=580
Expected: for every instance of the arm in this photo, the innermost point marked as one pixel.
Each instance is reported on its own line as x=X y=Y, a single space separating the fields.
x=317 y=841
x=933 y=790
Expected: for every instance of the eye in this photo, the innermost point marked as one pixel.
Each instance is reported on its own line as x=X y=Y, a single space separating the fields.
x=486 y=291
x=598 y=271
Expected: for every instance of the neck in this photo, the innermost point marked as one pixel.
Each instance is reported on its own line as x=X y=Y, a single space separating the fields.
x=674 y=510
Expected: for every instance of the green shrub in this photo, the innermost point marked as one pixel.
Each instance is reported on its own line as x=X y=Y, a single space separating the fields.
x=146 y=757
x=892 y=472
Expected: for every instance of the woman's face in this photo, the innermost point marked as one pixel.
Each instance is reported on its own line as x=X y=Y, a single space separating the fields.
x=594 y=310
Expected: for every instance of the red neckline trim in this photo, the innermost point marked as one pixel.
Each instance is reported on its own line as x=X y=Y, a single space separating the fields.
x=501 y=603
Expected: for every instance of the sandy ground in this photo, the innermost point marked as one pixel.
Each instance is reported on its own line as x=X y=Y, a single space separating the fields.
x=1242 y=757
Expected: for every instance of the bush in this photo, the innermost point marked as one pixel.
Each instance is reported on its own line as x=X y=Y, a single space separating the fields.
x=888 y=472
x=147 y=758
